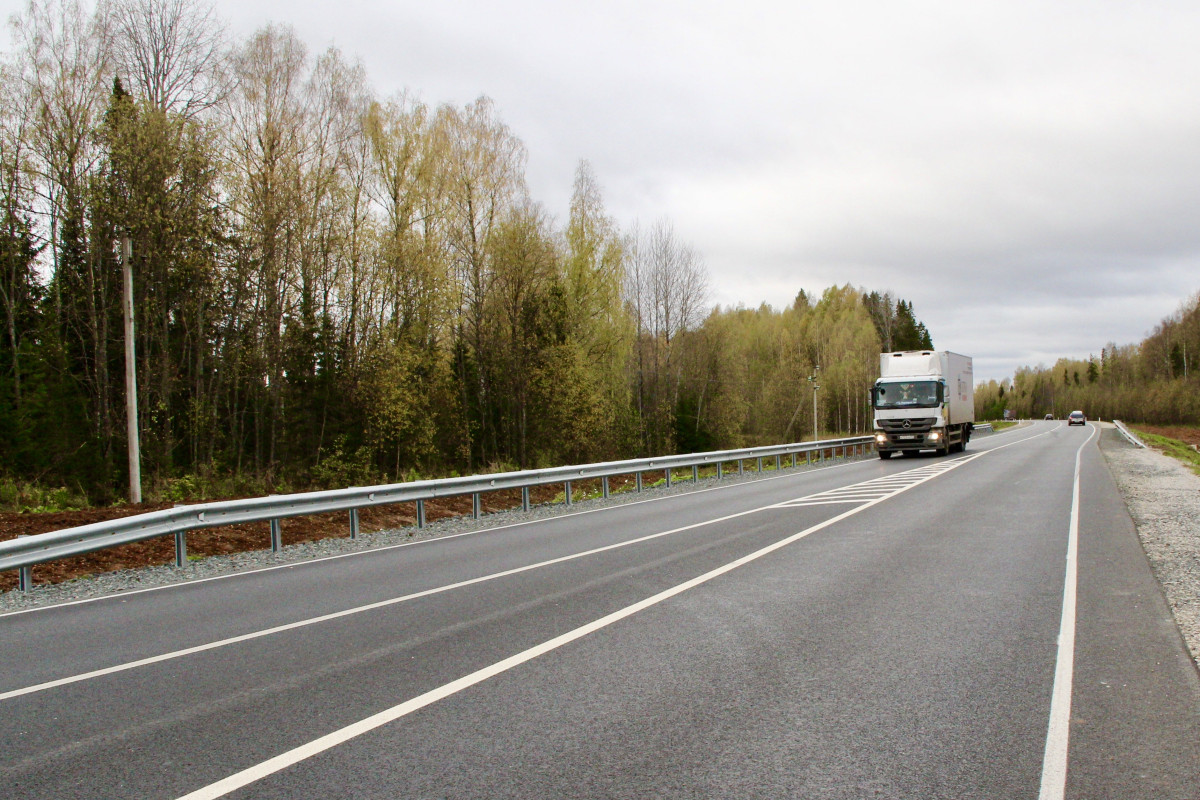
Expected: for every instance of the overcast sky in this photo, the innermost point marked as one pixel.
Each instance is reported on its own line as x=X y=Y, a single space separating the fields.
x=1027 y=173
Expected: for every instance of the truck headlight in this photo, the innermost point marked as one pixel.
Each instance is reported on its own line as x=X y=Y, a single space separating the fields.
x=881 y=437
x=933 y=437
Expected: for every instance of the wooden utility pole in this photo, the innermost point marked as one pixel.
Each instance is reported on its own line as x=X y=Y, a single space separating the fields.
x=812 y=380
x=131 y=421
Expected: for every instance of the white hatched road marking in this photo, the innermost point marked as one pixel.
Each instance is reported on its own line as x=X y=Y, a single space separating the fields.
x=878 y=488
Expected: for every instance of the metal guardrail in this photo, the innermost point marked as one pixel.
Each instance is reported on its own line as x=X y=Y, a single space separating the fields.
x=24 y=552
x=983 y=427
x=1128 y=434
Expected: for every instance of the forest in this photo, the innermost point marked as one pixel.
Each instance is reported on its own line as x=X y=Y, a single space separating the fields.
x=332 y=287
x=1155 y=382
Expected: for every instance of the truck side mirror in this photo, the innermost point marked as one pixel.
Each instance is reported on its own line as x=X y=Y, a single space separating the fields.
x=941 y=393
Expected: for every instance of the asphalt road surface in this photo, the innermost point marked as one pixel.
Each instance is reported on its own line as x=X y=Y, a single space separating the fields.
x=878 y=629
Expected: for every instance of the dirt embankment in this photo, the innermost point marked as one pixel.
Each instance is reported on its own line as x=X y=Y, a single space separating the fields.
x=240 y=538
x=1188 y=435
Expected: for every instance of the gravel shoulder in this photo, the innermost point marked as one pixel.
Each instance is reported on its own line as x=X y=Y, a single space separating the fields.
x=217 y=566
x=1163 y=497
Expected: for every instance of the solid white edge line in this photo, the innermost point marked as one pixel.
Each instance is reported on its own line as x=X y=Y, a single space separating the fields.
x=808 y=470
x=150 y=660
x=246 y=637
x=117 y=668
x=184 y=582
x=84 y=676
x=294 y=756
x=1058 y=731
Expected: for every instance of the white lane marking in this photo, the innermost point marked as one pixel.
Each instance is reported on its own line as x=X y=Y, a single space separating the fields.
x=877 y=487
x=246 y=637
x=317 y=746
x=361 y=609
x=121 y=596
x=1054 y=758
x=903 y=479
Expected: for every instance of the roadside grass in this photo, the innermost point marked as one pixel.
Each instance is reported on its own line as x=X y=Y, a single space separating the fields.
x=25 y=497
x=999 y=425
x=1175 y=448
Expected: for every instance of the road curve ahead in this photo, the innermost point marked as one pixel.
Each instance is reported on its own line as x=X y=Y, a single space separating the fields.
x=881 y=629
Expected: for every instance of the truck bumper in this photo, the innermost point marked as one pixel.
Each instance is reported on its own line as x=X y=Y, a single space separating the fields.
x=937 y=439
x=906 y=441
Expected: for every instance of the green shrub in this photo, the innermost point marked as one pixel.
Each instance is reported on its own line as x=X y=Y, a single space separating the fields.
x=25 y=497
x=339 y=470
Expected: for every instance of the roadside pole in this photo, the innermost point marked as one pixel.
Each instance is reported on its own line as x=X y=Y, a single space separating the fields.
x=131 y=424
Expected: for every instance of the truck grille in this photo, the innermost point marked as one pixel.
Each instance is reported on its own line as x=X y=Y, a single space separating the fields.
x=914 y=425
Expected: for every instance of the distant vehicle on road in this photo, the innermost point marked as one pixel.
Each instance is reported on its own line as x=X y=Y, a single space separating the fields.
x=1049 y=416
x=1076 y=418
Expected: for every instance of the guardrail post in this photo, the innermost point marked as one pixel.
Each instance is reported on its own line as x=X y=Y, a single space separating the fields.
x=476 y=510
x=180 y=548
x=604 y=486
x=793 y=459
x=741 y=467
x=695 y=473
x=567 y=491
x=720 y=471
x=354 y=523
x=778 y=464
x=758 y=463
x=639 y=481
x=668 y=473
x=420 y=513
x=524 y=498
x=25 y=579
x=276 y=536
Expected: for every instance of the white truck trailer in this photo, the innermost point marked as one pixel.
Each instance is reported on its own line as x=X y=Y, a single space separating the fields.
x=923 y=400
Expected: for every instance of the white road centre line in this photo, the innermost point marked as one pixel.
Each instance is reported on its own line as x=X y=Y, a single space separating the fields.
x=1054 y=758
x=329 y=741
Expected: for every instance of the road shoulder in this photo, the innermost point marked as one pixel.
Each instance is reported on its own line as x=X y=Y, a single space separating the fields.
x=1163 y=498
x=1136 y=698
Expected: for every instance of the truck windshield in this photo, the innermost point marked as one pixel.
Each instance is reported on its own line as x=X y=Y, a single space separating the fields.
x=909 y=394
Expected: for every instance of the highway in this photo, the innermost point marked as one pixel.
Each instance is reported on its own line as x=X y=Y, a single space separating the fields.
x=875 y=629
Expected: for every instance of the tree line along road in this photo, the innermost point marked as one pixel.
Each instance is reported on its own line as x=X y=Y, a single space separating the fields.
x=875 y=629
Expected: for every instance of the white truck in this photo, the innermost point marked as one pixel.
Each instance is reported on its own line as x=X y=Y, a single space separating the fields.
x=923 y=400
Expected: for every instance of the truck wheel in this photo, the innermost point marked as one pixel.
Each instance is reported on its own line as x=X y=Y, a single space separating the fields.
x=885 y=454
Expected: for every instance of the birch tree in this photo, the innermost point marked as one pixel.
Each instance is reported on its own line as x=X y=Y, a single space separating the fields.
x=171 y=53
x=484 y=178
x=266 y=151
